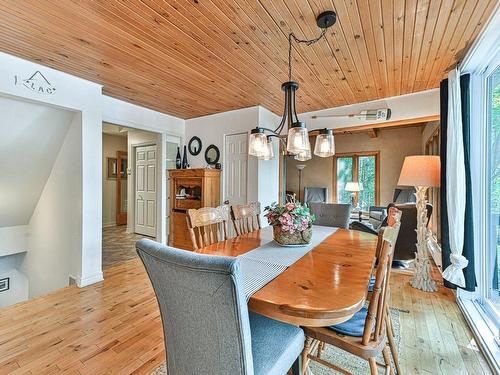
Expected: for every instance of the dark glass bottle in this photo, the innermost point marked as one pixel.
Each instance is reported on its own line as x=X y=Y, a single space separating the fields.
x=178 y=164
x=185 y=158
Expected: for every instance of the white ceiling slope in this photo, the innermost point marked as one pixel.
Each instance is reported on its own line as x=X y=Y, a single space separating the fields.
x=31 y=136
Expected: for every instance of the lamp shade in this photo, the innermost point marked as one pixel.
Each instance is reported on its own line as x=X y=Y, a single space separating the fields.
x=268 y=152
x=303 y=156
x=257 y=144
x=324 y=146
x=298 y=139
x=421 y=170
x=353 y=186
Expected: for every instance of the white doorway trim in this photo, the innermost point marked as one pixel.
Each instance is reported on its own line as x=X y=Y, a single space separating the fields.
x=162 y=203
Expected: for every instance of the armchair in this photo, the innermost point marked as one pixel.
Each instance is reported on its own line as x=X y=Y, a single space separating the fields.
x=406 y=245
x=376 y=216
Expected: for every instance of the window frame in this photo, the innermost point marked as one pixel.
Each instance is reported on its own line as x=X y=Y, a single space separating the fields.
x=475 y=305
x=355 y=163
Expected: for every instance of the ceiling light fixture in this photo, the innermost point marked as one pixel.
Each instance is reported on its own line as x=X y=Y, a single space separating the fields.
x=297 y=140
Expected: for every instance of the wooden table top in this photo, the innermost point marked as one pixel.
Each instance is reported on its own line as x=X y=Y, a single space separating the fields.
x=326 y=286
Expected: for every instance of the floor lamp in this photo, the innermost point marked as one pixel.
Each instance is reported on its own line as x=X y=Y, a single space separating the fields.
x=354 y=188
x=422 y=172
x=300 y=168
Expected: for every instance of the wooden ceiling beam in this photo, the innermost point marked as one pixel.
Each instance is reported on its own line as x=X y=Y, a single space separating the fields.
x=373 y=127
x=372 y=133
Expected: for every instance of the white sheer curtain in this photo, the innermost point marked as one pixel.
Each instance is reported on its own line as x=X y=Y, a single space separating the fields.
x=455 y=182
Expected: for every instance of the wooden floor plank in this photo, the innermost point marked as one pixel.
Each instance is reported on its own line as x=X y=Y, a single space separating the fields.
x=115 y=327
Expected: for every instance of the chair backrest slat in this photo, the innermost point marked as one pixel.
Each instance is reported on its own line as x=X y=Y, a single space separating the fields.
x=207 y=225
x=246 y=217
x=375 y=320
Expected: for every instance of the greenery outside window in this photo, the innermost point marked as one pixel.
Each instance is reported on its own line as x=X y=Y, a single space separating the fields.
x=362 y=167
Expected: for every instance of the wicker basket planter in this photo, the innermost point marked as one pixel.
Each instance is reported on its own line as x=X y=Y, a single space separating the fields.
x=292 y=239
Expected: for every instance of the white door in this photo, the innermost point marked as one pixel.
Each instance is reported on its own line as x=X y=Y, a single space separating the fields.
x=235 y=170
x=145 y=190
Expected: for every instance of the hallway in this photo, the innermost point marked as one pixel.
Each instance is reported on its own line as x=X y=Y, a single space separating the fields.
x=118 y=246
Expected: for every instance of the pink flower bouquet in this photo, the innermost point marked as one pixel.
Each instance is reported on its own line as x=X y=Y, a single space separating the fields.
x=291 y=223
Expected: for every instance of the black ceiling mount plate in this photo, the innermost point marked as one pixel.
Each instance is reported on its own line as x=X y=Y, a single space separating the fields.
x=326 y=19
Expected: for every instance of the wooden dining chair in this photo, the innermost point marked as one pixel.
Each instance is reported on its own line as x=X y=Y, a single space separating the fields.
x=393 y=220
x=366 y=333
x=207 y=225
x=245 y=217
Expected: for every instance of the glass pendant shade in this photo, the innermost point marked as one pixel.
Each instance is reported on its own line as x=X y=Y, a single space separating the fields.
x=298 y=139
x=269 y=150
x=303 y=156
x=325 y=144
x=257 y=143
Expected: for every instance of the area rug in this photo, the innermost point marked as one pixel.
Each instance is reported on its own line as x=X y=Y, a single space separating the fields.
x=347 y=361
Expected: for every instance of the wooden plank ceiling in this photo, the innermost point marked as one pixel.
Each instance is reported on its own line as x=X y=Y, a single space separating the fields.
x=192 y=58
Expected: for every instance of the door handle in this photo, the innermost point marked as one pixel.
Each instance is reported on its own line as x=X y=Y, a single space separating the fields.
x=226 y=202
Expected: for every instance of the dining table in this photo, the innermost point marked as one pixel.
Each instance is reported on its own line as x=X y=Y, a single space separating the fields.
x=326 y=286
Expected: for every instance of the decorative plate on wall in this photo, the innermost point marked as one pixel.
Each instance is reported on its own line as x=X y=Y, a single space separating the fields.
x=194 y=146
x=212 y=155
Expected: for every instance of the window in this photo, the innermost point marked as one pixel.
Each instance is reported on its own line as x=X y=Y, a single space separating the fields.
x=481 y=307
x=493 y=193
x=362 y=167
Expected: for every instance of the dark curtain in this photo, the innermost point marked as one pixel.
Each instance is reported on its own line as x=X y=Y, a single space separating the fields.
x=468 y=250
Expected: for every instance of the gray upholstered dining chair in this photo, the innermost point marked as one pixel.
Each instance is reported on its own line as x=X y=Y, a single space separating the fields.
x=331 y=214
x=206 y=323
x=315 y=194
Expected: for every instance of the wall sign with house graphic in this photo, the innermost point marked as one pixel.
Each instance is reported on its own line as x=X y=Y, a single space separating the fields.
x=36 y=83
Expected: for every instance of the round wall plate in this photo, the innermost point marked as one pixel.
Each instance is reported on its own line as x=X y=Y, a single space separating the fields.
x=194 y=146
x=326 y=19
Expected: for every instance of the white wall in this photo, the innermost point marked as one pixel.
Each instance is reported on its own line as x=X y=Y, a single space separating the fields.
x=70 y=92
x=263 y=181
x=410 y=106
x=73 y=93
x=268 y=170
x=56 y=224
x=110 y=145
x=127 y=114
x=212 y=129
x=18 y=290
x=13 y=240
x=30 y=138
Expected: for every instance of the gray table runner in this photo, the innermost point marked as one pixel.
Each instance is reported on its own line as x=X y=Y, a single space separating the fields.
x=261 y=265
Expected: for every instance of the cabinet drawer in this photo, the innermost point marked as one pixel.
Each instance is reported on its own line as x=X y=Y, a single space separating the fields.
x=187 y=203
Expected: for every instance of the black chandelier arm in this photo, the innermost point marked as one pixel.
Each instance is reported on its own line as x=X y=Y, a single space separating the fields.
x=293 y=111
x=272 y=134
x=283 y=118
x=279 y=138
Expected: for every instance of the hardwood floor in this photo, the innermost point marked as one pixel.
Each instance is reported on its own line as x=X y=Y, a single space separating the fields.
x=114 y=327
x=118 y=245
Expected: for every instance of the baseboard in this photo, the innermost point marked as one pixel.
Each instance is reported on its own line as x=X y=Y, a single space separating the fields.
x=83 y=282
x=110 y=224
